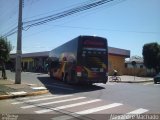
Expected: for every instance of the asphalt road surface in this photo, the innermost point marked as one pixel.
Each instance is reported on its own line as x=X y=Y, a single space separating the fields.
x=99 y=101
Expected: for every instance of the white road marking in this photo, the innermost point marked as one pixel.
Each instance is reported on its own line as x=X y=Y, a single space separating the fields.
x=100 y=84
x=93 y=110
x=64 y=117
x=41 y=99
x=103 y=85
x=67 y=106
x=138 y=111
x=18 y=93
x=130 y=115
x=38 y=88
x=89 y=111
x=48 y=103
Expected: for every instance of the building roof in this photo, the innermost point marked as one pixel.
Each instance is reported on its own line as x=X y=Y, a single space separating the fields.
x=35 y=54
x=111 y=50
x=119 y=52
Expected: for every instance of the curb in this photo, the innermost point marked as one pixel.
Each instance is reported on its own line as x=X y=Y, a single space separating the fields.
x=24 y=95
x=38 y=93
x=133 y=81
x=136 y=81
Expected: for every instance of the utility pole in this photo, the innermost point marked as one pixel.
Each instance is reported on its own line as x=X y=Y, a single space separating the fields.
x=134 y=65
x=19 y=46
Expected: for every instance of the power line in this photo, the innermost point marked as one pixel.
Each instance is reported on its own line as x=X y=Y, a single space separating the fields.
x=54 y=15
x=11 y=32
x=43 y=20
x=58 y=10
x=40 y=21
x=63 y=14
x=14 y=30
x=8 y=28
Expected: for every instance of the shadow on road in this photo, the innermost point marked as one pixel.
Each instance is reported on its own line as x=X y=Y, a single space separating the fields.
x=59 y=87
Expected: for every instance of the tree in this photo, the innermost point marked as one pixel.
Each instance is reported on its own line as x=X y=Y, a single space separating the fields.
x=5 y=48
x=151 y=56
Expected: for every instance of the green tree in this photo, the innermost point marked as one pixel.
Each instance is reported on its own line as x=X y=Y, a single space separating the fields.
x=151 y=56
x=5 y=48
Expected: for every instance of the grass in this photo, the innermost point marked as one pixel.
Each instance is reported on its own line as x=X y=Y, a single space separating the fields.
x=4 y=89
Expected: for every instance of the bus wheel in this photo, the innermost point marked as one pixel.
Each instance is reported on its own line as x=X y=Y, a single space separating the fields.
x=68 y=79
x=63 y=77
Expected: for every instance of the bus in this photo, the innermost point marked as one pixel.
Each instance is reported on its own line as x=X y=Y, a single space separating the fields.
x=83 y=59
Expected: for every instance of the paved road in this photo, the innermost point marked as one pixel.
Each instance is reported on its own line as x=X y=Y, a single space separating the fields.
x=97 y=100
x=67 y=106
x=27 y=77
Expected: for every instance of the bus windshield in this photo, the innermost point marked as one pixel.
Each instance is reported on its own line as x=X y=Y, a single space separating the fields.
x=94 y=53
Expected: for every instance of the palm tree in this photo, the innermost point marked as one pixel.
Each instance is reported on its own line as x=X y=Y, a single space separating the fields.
x=5 y=48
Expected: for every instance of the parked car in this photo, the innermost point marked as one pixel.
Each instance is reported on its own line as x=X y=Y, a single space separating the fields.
x=157 y=78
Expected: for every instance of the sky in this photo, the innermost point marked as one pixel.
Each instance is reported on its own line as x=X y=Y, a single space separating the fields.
x=127 y=24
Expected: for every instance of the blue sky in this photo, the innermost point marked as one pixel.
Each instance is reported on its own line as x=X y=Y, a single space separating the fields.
x=127 y=24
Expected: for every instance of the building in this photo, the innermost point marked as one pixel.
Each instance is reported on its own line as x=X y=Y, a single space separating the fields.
x=32 y=62
x=117 y=58
x=35 y=62
x=138 y=69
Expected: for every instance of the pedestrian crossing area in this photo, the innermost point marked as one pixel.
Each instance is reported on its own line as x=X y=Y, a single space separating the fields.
x=70 y=106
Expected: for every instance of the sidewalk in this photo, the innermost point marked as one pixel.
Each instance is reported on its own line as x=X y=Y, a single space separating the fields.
x=8 y=89
x=132 y=79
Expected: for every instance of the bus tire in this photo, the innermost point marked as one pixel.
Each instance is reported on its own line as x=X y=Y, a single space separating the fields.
x=65 y=77
x=68 y=79
x=62 y=77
